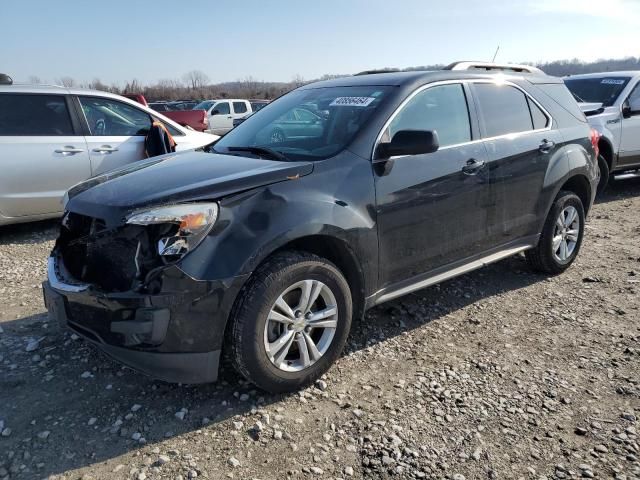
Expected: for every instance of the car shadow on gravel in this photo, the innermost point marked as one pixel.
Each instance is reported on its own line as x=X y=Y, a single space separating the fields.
x=28 y=233
x=620 y=189
x=69 y=406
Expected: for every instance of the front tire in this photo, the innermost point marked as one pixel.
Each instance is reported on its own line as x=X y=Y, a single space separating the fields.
x=561 y=236
x=291 y=322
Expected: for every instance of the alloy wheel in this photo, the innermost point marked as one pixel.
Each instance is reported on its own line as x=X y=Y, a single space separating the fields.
x=301 y=325
x=566 y=234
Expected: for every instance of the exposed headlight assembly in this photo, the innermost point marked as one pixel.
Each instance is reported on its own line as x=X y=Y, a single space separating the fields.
x=194 y=221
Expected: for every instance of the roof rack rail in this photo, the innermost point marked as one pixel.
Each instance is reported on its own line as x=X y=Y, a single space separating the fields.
x=5 y=79
x=490 y=66
x=380 y=70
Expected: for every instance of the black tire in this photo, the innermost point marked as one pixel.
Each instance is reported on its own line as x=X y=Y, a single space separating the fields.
x=247 y=329
x=542 y=258
x=604 y=174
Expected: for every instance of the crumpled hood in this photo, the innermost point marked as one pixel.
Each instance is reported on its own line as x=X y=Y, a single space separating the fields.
x=175 y=178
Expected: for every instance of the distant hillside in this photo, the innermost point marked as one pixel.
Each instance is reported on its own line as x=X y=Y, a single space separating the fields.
x=196 y=84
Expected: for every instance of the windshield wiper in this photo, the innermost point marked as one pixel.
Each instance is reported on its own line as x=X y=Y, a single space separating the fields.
x=261 y=151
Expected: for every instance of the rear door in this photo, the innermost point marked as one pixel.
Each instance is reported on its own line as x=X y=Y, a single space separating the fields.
x=115 y=132
x=630 y=135
x=520 y=141
x=240 y=109
x=42 y=153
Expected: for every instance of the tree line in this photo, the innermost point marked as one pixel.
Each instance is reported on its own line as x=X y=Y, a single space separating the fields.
x=196 y=85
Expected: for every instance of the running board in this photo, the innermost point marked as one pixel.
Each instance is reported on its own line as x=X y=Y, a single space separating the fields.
x=626 y=175
x=441 y=277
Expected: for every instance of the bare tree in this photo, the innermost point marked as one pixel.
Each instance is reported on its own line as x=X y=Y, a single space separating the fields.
x=196 y=79
x=298 y=81
x=132 y=87
x=66 y=82
x=35 y=80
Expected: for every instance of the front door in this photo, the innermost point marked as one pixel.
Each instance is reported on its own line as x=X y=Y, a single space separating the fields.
x=116 y=132
x=42 y=154
x=221 y=119
x=432 y=208
x=630 y=139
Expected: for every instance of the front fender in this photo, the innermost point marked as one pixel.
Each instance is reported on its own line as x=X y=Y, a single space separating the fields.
x=254 y=224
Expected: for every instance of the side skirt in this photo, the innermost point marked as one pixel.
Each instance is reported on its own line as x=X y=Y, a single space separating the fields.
x=450 y=271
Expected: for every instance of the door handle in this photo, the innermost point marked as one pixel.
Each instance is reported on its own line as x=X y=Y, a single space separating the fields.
x=69 y=149
x=472 y=166
x=546 y=146
x=230 y=116
x=105 y=149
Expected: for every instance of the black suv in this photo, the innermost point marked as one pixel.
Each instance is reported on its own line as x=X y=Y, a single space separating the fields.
x=268 y=247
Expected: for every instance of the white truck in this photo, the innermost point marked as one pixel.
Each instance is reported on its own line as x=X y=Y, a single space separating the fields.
x=611 y=103
x=222 y=112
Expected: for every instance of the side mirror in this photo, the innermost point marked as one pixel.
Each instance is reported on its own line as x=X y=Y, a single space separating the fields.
x=631 y=107
x=409 y=142
x=215 y=112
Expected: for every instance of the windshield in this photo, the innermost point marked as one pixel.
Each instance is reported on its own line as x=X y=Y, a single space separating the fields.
x=605 y=90
x=310 y=124
x=206 y=105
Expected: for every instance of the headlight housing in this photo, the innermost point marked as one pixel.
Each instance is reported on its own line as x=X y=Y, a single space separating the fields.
x=194 y=221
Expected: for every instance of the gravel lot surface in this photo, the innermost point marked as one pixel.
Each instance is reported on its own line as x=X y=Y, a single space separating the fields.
x=499 y=374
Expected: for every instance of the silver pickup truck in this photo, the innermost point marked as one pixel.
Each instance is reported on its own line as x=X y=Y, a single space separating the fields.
x=611 y=102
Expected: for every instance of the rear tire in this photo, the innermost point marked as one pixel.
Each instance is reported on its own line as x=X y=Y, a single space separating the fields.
x=281 y=338
x=603 y=166
x=561 y=236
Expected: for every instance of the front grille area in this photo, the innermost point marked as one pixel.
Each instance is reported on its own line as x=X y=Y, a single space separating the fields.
x=99 y=256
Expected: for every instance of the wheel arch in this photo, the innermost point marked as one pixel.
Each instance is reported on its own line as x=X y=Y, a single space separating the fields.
x=580 y=185
x=606 y=150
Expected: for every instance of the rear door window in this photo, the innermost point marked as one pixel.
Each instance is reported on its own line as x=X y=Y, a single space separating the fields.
x=239 y=107
x=504 y=109
x=34 y=115
x=107 y=117
x=540 y=119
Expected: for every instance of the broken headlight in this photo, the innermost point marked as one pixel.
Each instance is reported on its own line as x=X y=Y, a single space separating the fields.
x=193 y=222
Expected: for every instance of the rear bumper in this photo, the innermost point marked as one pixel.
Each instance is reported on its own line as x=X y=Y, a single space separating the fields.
x=175 y=335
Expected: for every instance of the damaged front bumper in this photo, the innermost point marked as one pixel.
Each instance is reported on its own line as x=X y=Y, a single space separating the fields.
x=175 y=335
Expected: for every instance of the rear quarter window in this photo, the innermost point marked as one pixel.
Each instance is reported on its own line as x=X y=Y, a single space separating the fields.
x=34 y=115
x=560 y=94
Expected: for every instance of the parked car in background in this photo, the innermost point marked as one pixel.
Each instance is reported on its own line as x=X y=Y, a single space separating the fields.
x=258 y=104
x=194 y=119
x=221 y=113
x=611 y=102
x=159 y=106
x=53 y=137
x=269 y=248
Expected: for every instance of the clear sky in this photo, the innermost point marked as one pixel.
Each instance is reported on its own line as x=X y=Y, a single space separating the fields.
x=118 y=40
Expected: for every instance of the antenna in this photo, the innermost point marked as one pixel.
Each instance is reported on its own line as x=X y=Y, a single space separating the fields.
x=495 y=54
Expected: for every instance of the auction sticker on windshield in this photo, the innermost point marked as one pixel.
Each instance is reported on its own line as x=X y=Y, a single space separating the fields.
x=352 y=102
x=613 y=81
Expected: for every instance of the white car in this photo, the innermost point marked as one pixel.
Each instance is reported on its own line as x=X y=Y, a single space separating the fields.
x=52 y=138
x=611 y=102
x=222 y=113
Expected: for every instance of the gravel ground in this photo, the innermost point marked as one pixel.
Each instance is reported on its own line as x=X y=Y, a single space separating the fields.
x=499 y=374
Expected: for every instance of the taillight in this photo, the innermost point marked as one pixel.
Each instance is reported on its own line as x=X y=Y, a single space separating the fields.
x=595 y=139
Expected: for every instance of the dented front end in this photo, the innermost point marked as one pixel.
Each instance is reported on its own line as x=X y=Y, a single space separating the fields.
x=113 y=287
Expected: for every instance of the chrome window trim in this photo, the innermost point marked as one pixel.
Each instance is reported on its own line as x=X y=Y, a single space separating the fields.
x=472 y=141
